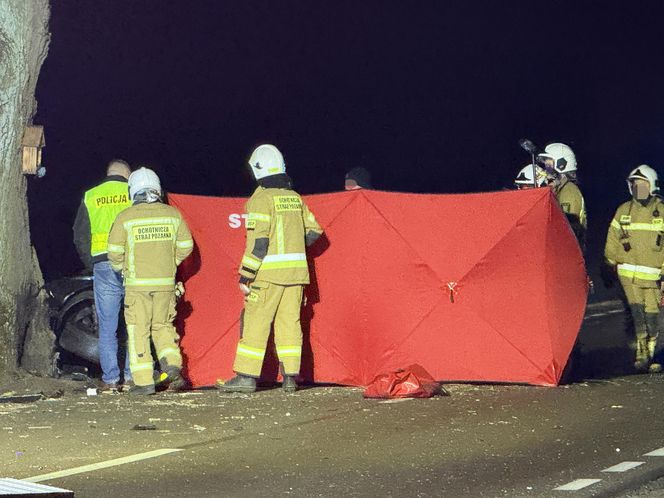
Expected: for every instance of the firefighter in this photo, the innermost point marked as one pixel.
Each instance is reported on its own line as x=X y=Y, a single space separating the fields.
x=147 y=243
x=99 y=207
x=273 y=273
x=634 y=248
x=524 y=179
x=559 y=162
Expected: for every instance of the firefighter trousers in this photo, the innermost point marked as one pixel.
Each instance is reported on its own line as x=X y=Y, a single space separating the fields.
x=149 y=317
x=268 y=303
x=644 y=304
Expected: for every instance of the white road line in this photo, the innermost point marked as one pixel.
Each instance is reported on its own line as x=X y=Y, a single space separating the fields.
x=610 y=312
x=623 y=467
x=101 y=465
x=657 y=452
x=396 y=400
x=577 y=484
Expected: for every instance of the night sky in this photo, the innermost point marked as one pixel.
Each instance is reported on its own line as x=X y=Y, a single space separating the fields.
x=431 y=96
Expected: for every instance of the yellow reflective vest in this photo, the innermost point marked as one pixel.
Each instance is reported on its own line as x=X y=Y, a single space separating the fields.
x=279 y=217
x=100 y=206
x=147 y=243
x=635 y=241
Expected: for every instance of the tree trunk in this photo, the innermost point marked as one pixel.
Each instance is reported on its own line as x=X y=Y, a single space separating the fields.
x=25 y=338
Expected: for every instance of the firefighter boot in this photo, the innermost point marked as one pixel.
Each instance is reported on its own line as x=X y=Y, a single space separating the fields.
x=239 y=384
x=174 y=378
x=141 y=390
x=289 y=384
x=642 y=354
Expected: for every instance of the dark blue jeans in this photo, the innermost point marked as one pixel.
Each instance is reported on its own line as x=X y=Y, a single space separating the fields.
x=109 y=292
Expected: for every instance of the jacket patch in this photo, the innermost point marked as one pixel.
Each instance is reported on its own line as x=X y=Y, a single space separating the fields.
x=111 y=200
x=153 y=233
x=287 y=203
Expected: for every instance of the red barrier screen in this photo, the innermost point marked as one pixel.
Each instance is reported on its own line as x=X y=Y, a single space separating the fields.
x=473 y=287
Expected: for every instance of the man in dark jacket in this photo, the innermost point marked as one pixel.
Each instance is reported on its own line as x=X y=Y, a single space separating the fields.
x=357 y=178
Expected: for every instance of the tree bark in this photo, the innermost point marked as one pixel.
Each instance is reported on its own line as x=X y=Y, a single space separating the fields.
x=25 y=337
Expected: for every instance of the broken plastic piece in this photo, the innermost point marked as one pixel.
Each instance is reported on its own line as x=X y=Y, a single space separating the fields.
x=20 y=398
x=144 y=427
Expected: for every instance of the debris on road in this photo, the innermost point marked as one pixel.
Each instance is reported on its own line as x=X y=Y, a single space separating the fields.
x=12 y=397
x=144 y=427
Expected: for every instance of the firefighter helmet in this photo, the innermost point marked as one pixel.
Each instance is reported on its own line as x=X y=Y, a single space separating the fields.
x=143 y=179
x=562 y=156
x=266 y=160
x=525 y=177
x=644 y=172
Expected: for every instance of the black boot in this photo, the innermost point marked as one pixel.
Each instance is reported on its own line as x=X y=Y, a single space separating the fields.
x=174 y=379
x=239 y=384
x=289 y=384
x=141 y=390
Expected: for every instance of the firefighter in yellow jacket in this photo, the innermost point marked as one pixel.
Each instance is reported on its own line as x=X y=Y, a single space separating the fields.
x=559 y=162
x=147 y=243
x=634 y=247
x=273 y=272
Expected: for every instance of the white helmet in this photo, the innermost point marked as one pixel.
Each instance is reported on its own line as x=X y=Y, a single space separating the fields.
x=525 y=177
x=143 y=179
x=644 y=172
x=266 y=160
x=564 y=160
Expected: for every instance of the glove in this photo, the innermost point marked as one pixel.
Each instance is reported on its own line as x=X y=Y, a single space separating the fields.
x=179 y=290
x=245 y=289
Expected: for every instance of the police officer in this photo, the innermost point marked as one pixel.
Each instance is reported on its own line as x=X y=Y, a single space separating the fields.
x=634 y=247
x=98 y=209
x=273 y=272
x=147 y=243
x=559 y=161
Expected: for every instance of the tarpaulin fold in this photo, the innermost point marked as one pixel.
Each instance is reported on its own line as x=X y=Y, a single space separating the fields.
x=474 y=287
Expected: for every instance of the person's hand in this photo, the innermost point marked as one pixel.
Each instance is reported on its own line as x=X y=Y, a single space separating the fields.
x=245 y=289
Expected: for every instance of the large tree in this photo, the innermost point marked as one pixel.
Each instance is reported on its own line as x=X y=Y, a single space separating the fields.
x=25 y=339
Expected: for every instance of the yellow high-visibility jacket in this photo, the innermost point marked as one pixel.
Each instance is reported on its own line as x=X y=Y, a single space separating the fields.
x=571 y=201
x=147 y=243
x=635 y=241
x=100 y=206
x=279 y=224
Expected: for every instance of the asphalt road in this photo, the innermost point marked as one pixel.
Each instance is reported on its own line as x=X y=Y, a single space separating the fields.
x=488 y=440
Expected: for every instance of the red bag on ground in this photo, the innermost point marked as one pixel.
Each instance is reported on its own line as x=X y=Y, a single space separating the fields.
x=411 y=382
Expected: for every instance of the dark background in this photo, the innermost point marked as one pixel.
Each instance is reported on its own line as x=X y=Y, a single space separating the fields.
x=431 y=96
